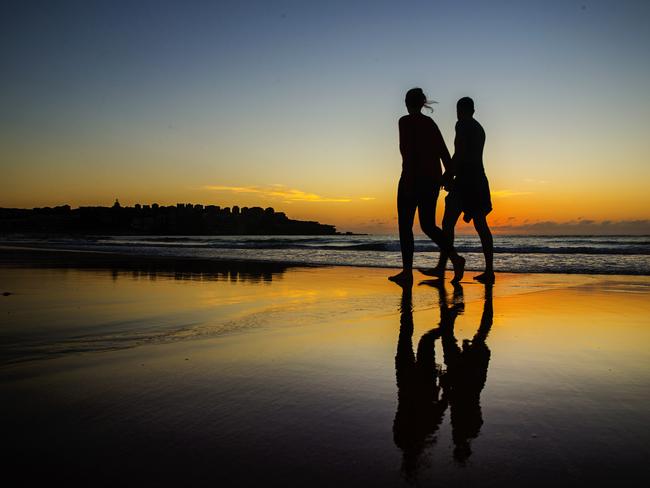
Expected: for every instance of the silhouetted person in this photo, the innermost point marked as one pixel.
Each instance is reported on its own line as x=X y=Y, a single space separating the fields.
x=464 y=380
x=422 y=148
x=420 y=408
x=469 y=192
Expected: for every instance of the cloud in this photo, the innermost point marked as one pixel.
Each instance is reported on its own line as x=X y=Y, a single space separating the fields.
x=579 y=227
x=276 y=192
x=509 y=193
x=536 y=182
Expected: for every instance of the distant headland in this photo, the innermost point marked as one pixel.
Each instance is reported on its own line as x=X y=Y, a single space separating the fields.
x=154 y=219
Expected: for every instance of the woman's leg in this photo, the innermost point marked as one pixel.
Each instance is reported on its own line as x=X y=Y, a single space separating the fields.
x=452 y=213
x=405 y=217
x=406 y=204
x=427 y=214
x=444 y=237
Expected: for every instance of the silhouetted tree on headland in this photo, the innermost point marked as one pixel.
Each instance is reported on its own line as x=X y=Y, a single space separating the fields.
x=183 y=218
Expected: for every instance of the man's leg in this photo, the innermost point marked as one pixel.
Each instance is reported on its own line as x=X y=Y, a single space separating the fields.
x=481 y=226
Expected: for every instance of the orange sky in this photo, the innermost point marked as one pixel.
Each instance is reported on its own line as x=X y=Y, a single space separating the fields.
x=300 y=113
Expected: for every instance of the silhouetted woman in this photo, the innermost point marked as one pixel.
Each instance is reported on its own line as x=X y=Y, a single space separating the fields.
x=422 y=148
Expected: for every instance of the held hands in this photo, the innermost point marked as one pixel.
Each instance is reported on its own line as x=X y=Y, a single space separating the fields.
x=447 y=180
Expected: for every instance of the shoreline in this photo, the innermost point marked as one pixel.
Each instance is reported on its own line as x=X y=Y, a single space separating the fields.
x=64 y=258
x=161 y=282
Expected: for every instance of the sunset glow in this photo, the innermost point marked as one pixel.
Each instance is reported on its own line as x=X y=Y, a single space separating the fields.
x=295 y=106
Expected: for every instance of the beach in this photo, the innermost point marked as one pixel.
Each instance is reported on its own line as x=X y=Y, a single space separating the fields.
x=130 y=370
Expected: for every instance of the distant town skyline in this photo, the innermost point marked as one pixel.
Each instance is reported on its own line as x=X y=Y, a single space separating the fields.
x=294 y=105
x=155 y=219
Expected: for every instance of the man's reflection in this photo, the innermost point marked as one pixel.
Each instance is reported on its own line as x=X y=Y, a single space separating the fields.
x=424 y=390
x=464 y=379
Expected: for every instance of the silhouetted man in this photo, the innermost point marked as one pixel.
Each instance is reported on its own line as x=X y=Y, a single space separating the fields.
x=469 y=192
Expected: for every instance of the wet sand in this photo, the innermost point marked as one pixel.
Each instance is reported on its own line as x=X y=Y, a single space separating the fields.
x=125 y=372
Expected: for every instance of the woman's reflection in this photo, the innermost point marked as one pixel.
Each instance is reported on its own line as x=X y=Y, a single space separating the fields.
x=424 y=389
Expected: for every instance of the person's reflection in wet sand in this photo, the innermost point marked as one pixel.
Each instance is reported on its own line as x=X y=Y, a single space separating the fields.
x=420 y=406
x=464 y=379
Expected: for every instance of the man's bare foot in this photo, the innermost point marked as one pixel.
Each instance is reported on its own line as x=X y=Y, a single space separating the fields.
x=403 y=278
x=436 y=272
x=487 y=278
x=459 y=269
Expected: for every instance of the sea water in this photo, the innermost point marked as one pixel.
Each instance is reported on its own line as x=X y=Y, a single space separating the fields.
x=517 y=254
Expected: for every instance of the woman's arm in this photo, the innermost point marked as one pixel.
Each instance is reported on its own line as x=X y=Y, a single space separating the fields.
x=447 y=162
x=444 y=153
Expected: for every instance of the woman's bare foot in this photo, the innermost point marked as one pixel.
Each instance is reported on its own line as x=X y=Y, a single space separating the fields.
x=403 y=278
x=487 y=277
x=436 y=272
x=459 y=269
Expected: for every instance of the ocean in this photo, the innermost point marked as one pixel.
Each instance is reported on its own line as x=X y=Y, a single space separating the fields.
x=516 y=254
